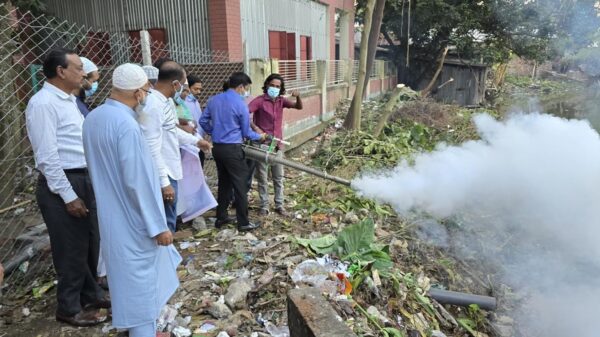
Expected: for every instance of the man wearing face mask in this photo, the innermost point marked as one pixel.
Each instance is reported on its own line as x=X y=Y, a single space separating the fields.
x=161 y=129
x=267 y=111
x=191 y=100
x=64 y=190
x=136 y=242
x=227 y=120
x=89 y=85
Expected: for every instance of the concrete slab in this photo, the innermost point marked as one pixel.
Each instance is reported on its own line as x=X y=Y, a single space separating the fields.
x=310 y=315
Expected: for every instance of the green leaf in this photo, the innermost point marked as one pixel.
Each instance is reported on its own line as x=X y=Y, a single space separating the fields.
x=357 y=238
x=468 y=325
x=381 y=260
x=322 y=245
x=393 y=332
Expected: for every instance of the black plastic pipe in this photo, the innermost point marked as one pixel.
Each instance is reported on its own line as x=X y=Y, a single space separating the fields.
x=462 y=299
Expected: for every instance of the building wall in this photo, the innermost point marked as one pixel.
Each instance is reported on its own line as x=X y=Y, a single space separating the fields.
x=185 y=21
x=225 y=27
x=348 y=7
x=303 y=17
x=467 y=87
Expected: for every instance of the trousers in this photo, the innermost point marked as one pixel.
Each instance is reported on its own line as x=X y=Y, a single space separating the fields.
x=75 y=244
x=232 y=172
x=171 y=209
x=146 y=330
x=262 y=174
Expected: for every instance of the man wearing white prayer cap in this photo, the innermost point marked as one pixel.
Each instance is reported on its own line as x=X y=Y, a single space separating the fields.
x=89 y=85
x=152 y=73
x=136 y=242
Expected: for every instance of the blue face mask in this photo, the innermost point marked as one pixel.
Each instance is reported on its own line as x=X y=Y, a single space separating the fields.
x=91 y=90
x=246 y=94
x=273 y=92
x=177 y=95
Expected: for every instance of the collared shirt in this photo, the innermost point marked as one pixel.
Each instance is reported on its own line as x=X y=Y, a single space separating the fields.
x=194 y=106
x=164 y=137
x=227 y=119
x=268 y=113
x=54 y=126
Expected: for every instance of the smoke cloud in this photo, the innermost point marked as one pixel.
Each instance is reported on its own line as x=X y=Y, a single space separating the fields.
x=530 y=189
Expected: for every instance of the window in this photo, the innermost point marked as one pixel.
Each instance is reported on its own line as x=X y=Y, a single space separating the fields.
x=282 y=45
x=305 y=47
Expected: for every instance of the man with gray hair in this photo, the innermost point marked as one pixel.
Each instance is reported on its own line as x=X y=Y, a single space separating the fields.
x=64 y=191
x=136 y=242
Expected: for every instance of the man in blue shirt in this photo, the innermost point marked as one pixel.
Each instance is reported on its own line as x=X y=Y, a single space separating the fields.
x=227 y=120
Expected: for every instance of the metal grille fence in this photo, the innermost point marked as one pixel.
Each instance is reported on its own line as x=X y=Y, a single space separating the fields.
x=336 y=71
x=301 y=75
x=24 y=40
x=355 y=71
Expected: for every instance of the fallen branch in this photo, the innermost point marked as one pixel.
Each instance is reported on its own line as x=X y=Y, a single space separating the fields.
x=17 y=205
x=425 y=92
x=388 y=109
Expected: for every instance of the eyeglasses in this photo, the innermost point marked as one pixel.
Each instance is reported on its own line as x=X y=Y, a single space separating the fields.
x=146 y=91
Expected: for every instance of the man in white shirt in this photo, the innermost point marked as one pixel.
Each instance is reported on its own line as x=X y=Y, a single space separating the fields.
x=161 y=130
x=64 y=190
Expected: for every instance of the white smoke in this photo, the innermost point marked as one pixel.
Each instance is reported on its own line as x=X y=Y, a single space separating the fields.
x=534 y=179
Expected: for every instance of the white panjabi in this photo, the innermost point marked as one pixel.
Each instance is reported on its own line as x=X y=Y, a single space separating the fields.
x=129 y=76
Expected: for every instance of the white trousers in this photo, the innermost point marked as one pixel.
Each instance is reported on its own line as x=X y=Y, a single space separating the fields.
x=146 y=330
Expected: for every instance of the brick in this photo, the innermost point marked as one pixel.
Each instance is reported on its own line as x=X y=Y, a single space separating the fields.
x=310 y=315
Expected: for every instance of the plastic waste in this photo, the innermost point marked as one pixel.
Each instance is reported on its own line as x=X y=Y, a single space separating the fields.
x=206 y=327
x=106 y=328
x=275 y=331
x=181 y=332
x=317 y=272
x=166 y=318
x=310 y=272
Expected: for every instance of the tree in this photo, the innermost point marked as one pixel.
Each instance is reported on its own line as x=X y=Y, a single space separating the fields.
x=373 y=39
x=352 y=121
x=37 y=7
x=487 y=31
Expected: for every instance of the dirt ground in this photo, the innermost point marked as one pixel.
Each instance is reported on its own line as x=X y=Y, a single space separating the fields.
x=215 y=261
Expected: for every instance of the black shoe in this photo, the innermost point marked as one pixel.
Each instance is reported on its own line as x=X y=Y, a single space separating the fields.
x=227 y=221
x=281 y=211
x=250 y=226
x=102 y=303
x=263 y=212
x=83 y=318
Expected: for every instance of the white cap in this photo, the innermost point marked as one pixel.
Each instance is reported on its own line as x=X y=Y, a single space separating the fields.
x=151 y=72
x=88 y=66
x=129 y=76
